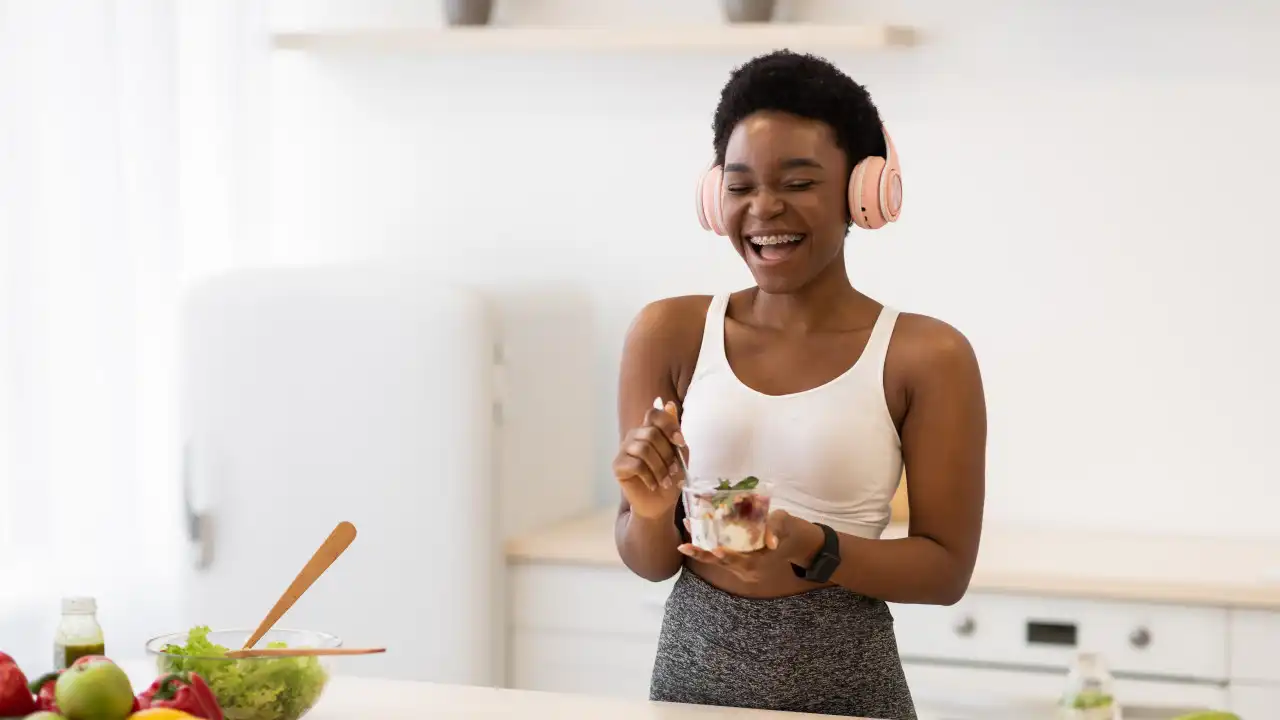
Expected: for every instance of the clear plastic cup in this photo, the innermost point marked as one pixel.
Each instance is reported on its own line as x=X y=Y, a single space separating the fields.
x=727 y=514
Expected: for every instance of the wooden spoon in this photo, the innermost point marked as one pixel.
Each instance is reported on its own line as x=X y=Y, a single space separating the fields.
x=337 y=542
x=301 y=652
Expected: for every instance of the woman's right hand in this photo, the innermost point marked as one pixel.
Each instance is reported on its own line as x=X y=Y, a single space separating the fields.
x=646 y=465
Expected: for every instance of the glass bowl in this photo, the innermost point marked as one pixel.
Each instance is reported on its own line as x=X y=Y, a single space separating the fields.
x=262 y=688
x=728 y=515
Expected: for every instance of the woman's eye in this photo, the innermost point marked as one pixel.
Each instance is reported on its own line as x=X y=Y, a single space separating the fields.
x=738 y=189
x=800 y=185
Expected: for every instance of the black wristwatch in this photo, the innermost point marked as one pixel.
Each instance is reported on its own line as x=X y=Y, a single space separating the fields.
x=825 y=562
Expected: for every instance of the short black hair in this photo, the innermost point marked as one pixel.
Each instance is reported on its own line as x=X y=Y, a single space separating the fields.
x=806 y=86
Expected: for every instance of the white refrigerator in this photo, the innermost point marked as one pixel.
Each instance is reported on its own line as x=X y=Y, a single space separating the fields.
x=315 y=395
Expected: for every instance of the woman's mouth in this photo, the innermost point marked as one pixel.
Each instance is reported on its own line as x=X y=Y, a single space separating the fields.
x=773 y=248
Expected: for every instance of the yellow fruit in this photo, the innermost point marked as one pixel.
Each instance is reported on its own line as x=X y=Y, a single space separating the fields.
x=161 y=714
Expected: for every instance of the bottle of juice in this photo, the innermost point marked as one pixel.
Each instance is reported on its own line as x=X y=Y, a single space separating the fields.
x=1089 y=694
x=79 y=633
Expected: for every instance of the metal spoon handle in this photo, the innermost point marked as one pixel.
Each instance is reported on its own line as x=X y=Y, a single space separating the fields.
x=659 y=404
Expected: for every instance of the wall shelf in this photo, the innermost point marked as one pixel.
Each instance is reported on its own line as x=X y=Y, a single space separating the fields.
x=751 y=37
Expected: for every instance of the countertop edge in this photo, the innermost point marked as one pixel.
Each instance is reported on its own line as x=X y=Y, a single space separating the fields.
x=585 y=541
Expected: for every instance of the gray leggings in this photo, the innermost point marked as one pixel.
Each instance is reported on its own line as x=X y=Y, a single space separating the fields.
x=828 y=651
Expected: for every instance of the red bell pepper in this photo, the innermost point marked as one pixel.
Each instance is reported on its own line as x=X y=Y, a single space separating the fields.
x=6 y=659
x=187 y=692
x=43 y=687
x=15 y=696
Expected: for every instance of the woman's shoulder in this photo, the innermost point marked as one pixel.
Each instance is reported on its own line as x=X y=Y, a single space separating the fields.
x=671 y=318
x=667 y=333
x=922 y=343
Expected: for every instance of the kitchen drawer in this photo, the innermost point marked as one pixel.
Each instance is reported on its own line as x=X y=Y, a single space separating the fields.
x=1155 y=640
x=1255 y=636
x=583 y=663
x=585 y=599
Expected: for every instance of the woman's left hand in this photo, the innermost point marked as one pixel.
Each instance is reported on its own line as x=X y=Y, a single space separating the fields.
x=787 y=539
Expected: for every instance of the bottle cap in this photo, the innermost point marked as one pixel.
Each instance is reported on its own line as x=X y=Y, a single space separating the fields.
x=79 y=605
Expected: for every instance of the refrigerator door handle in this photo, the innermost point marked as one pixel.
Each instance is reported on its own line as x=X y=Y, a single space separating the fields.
x=199 y=524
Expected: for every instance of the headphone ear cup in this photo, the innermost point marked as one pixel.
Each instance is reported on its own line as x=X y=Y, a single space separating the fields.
x=864 y=194
x=699 y=201
x=709 y=207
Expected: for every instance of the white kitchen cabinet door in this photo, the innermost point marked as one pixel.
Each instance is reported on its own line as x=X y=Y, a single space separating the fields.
x=1255 y=702
x=1254 y=638
x=584 y=630
x=584 y=663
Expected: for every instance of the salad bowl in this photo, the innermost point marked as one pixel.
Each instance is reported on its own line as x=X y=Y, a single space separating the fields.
x=252 y=688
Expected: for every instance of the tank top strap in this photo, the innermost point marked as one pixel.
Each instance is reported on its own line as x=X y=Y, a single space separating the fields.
x=711 y=356
x=878 y=344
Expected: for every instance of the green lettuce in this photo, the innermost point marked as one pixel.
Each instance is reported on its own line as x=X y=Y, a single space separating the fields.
x=250 y=689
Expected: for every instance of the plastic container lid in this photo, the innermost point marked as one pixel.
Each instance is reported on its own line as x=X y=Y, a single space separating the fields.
x=79 y=605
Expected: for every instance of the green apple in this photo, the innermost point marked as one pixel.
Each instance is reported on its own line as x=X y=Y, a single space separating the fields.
x=44 y=715
x=1209 y=715
x=94 y=691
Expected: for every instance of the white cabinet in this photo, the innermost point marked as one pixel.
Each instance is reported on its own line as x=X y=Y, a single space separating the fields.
x=583 y=629
x=594 y=629
x=1255 y=638
x=1255 y=702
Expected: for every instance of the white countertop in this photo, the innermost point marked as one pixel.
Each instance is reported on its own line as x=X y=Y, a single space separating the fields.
x=1220 y=572
x=350 y=698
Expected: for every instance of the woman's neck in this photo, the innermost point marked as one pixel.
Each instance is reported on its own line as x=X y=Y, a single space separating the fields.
x=828 y=302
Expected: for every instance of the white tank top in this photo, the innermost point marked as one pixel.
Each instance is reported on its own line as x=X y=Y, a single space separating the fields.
x=832 y=454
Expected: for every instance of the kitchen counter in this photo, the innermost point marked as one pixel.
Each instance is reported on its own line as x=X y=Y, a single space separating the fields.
x=349 y=698
x=352 y=698
x=1222 y=572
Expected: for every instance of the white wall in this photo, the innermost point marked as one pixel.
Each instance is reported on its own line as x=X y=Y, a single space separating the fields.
x=1088 y=196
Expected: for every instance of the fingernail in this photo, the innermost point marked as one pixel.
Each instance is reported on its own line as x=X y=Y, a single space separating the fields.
x=678 y=439
x=684 y=550
x=666 y=482
x=718 y=553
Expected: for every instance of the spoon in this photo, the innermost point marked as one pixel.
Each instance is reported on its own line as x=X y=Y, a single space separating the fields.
x=333 y=546
x=658 y=404
x=301 y=652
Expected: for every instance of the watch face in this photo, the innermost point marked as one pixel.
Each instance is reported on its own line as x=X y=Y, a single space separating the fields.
x=823 y=566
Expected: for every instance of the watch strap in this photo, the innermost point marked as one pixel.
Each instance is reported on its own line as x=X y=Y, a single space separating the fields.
x=825 y=561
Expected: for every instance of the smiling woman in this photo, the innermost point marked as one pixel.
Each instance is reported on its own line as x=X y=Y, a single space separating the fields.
x=817 y=389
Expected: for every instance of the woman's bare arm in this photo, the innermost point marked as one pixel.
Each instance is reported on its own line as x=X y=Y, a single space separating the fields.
x=647 y=545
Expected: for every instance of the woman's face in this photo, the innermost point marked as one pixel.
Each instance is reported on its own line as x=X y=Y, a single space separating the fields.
x=785 y=184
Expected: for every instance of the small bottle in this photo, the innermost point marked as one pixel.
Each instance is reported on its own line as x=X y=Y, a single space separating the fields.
x=1090 y=691
x=79 y=633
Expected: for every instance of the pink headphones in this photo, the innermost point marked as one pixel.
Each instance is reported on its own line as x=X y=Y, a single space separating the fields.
x=875 y=192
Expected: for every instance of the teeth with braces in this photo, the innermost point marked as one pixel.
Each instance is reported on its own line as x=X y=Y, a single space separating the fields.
x=775 y=239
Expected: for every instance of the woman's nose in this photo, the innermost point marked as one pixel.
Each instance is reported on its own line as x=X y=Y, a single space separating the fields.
x=765 y=204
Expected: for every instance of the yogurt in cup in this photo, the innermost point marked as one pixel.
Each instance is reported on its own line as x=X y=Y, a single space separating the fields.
x=729 y=515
